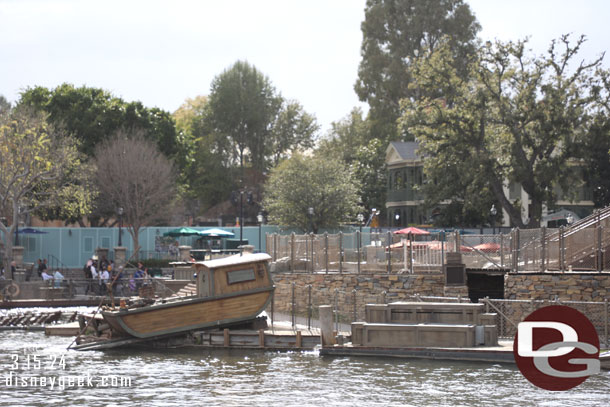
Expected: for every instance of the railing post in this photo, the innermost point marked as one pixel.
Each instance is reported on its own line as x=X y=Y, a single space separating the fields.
x=562 y=257
x=313 y=239
x=543 y=249
x=606 y=321
x=517 y=250
x=411 y=268
x=309 y=308
x=340 y=252
x=292 y=254
x=600 y=261
x=389 y=238
x=354 y=302
x=336 y=311
x=359 y=243
x=501 y=250
x=293 y=316
x=326 y=250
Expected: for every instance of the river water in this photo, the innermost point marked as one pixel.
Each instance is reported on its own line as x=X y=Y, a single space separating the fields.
x=194 y=377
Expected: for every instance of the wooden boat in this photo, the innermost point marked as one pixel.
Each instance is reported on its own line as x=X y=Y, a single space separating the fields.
x=229 y=290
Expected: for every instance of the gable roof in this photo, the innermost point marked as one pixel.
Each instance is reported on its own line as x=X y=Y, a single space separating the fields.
x=402 y=151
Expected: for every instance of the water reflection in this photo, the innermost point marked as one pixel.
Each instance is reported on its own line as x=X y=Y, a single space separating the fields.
x=179 y=377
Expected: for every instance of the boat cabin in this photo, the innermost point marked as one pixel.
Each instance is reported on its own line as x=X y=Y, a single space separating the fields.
x=233 y=274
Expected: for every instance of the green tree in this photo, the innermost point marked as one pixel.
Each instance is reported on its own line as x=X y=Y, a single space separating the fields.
x=254 y=125
x=293 y=129
x=243 y=105
x=595 y=153
x=92 y=115
x=300 y=183
x=206 y=172
x=37 y=164
x=346 y=137
x=515 y=119
x=5 y=105
x=395 y=33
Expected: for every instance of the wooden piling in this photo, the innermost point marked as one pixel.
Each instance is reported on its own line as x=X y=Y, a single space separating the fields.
x=226 y=337
x=326 y=325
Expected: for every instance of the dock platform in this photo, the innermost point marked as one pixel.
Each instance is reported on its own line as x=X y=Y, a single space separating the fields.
x=503 y=353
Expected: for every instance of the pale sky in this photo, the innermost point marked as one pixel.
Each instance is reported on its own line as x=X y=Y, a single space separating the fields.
x=162 y=52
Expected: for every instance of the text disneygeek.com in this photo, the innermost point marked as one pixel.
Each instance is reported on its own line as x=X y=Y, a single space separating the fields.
x=65 y=382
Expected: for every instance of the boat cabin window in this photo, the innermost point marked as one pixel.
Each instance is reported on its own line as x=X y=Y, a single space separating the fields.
x=239 y=276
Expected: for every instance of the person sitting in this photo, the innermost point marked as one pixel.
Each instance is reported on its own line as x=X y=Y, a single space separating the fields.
x=58 y=278
x=46 y=276
x=139 y=276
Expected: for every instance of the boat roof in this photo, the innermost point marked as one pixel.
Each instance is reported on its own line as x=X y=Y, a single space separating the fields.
x=234 y=260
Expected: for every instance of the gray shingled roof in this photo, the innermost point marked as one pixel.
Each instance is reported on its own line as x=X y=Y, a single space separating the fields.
x=406 y=149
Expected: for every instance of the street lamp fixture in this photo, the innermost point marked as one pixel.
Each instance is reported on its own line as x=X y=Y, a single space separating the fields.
x=120 y=213
x=360 y=218
x=397 y=217
x=260 y=220
x=493 y=212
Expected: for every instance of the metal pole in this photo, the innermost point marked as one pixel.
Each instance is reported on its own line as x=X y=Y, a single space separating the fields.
x=359 y=243
x=241 y=219
x=340 y=252
x=292 y=254
x=600 y=265
x=326 y=250
x=389 y=237
x=562 y=257
x=312 y=252
x=336 y=312
x=543 y=249
x=293 y=306
x=354 y=301
x=606 y=321
x=309 y=309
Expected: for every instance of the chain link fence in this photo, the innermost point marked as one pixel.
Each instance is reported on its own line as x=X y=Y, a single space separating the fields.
x=511 y=312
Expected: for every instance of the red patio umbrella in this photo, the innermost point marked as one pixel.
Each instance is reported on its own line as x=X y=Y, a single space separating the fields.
x=411 y=231
x=488 y=247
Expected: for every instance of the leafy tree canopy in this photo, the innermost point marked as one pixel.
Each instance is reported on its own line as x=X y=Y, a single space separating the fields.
x=515 y=118
x=93 y=115
x=254 y=124
x=395 y=33
x=38 y=167
x=300 y=183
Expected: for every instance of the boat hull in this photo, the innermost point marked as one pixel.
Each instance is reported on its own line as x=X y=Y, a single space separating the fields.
x=189 y=314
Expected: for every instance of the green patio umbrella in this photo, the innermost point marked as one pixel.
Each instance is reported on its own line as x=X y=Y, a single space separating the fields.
x=183 y=231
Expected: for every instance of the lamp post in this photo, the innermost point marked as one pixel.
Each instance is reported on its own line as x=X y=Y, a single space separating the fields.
x=360 y=218
x=397 y=217
x=120 y=212
x=493 y=212
x=310 y=214
x=260 y=225
x=17 y=225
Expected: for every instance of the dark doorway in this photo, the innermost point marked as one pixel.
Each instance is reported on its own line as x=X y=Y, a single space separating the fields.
x=483 y=284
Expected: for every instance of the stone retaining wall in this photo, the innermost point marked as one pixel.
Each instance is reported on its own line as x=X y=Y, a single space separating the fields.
x=326 y=288
x=564 y=286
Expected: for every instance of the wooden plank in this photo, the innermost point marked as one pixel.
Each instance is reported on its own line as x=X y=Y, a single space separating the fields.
x=261 y=338
x=194 y=314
